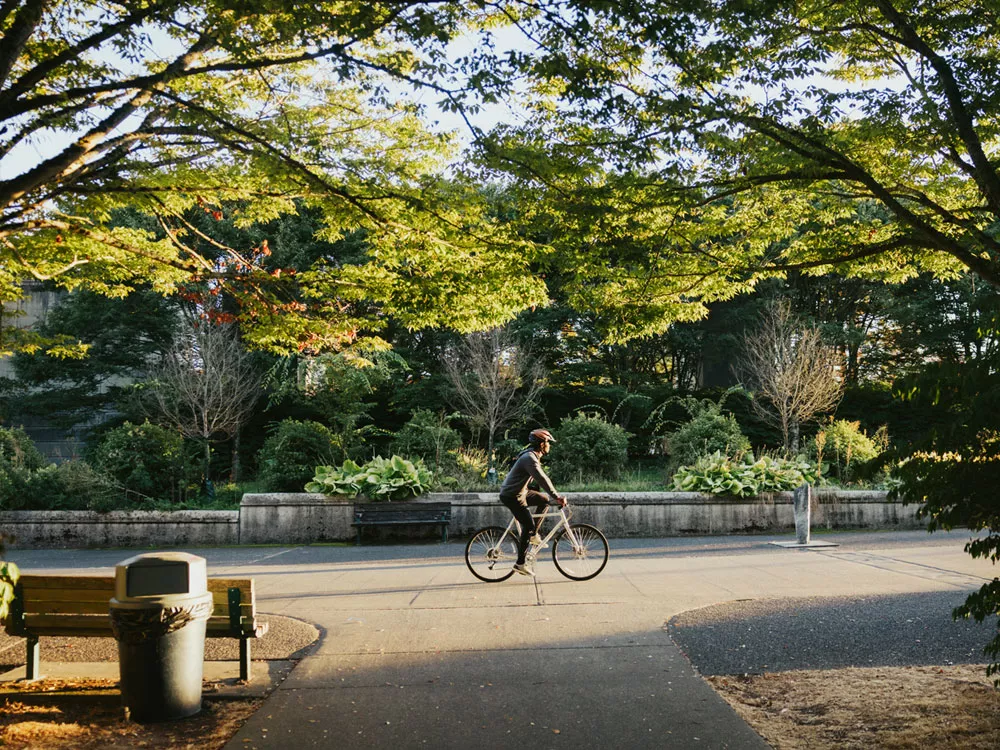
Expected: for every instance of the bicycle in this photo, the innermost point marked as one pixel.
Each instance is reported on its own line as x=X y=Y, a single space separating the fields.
x=580 y=551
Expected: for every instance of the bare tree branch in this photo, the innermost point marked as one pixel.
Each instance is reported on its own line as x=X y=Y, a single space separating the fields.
x=495 y=379
x=791 y=371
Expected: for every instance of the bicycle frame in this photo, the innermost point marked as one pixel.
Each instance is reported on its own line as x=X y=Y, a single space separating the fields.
x=564 y=514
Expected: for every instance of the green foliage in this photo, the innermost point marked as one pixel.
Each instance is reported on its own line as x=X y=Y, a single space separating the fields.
x=18 y=452
x=843 y=446
x=121 y=337
x=9 y=574
x=588 y=446
x=27 y=482
x=708 y=431
x=380 y=479
x=743 y=476
x=465 y=471
x=332 y=142
x=145 y=461
x=288 y=458
x=957 y=488
x=428 y=436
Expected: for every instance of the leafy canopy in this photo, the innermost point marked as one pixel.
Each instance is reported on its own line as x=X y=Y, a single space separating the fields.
x=166 y=107
x=680 y=152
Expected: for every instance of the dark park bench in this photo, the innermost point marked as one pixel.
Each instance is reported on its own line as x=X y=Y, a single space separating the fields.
x=79 y=606
x=402 y=514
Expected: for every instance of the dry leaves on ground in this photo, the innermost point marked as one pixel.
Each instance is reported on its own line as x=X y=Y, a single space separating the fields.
x=87 y=715
x=896 y=708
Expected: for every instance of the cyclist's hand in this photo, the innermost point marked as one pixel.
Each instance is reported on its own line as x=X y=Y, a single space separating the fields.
x=561 y=499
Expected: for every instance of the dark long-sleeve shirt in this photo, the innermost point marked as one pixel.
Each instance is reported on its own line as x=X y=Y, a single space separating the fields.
x=528 y=466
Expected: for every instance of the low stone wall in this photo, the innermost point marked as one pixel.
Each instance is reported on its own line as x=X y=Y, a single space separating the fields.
x=294 y=518
x=654 y=514
x=289 y=518
x=82 y=528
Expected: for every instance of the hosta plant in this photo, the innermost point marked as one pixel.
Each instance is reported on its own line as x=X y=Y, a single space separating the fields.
x=380 y=479
x=743 y=476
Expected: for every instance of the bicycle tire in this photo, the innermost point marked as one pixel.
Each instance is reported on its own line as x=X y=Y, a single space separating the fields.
x=491 y=554
x=586 y=562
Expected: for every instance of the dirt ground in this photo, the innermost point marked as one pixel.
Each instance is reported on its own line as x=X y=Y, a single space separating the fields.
x=88 y=715
x=944 y=708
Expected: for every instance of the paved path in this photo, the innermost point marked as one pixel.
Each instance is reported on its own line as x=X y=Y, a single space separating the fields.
x=415 y=652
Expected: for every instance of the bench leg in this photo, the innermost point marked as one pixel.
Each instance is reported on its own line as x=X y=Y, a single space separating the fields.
x=245 y=659
x=32 y=665
x=359 y=536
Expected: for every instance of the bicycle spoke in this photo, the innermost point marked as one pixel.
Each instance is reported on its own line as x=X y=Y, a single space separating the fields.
x=491 y=554
x=580 y=552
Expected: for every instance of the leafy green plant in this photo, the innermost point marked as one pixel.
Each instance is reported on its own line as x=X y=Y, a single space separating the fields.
x=428 y=436
x=957 y=488
x=841 y=447
x=289 y=455
x=588 y=446
x=743 y=476
x=379 y=479
x=18 y=452
x=708 y=431
x=144 y=460
x=9 y=574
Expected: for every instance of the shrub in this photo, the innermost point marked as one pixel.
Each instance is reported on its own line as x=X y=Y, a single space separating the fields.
x=588 y=446
x=841 y=447
x=465 y=471
x=709 y=431
x=380 y=479
x=743 y=476
x=8 y=578
x=288 y=457
x=73 y=485
x=143 y=460
x=429 y=437
x=18 y=452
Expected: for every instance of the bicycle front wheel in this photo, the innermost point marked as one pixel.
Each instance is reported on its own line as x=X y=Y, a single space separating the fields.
x=491 y=554
x=580 y=552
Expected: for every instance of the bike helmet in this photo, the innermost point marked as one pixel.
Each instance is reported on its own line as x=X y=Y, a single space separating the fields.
x=540 y=436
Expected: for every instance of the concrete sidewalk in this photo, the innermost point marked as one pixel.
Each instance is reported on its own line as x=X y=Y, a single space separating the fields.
x=415 y=652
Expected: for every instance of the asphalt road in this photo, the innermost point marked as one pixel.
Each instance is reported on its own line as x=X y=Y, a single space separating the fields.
x=773 y=635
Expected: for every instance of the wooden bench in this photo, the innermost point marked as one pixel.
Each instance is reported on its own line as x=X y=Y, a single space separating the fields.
x=403 y=514
x=78 y=606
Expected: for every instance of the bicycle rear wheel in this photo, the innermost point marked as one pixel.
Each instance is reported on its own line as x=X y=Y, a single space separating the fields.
x=491 y=554
x=584 y=559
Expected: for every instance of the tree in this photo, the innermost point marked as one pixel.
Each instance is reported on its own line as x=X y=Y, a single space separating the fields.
x=166 y=107
x=748 y=140
x=122 y=338
x=206 y=387
x=495 y=380
x=792 y=372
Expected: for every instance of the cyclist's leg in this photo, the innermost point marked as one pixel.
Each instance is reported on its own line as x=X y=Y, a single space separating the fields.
x=520 y=510
x=541 y=502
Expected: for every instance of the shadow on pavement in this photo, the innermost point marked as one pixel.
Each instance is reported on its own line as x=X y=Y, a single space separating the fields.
x=774 y=635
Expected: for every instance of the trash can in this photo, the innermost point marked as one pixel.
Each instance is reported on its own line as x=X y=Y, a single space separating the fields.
x=158 y=614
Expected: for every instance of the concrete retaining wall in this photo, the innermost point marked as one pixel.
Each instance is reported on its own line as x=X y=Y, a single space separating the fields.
x=281 y=518
x=82 y=528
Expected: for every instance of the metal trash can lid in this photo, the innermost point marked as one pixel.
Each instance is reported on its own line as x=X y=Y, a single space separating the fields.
x=159 y=574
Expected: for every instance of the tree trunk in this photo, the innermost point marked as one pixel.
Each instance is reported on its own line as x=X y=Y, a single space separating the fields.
x=234 y=466
x=793 y=438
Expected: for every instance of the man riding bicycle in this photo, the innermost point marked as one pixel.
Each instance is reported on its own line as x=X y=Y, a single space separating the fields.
x=514 y=493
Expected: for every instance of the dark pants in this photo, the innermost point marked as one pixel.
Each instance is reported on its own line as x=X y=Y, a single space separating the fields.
x=519 y=507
